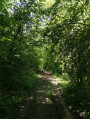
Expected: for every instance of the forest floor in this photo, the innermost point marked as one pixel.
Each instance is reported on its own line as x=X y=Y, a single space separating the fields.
x=45 y=101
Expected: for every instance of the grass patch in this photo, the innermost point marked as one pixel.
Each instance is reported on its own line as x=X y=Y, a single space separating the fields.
x=49 y=91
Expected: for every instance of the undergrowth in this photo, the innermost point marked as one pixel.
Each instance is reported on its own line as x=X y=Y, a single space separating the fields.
x=77 y=97
x=13 y=90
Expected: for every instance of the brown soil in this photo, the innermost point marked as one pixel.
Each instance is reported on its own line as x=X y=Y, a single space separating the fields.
x=45 y=101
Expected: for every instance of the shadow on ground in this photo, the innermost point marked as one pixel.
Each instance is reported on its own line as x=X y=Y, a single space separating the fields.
x=45 y=101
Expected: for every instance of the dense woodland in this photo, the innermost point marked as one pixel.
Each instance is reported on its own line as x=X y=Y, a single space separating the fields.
x=44 y=34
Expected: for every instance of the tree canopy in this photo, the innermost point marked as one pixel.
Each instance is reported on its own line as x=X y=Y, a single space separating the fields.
x=45 y=34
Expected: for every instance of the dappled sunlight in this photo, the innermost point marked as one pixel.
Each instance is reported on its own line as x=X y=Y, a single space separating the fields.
x=39 y=35
x=42 y=99
x=30 y=98
x=47 y=76
x=46 y=99
x=22 y=110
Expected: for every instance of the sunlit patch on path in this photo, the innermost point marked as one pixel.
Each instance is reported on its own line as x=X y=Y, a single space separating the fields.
x=45 y=101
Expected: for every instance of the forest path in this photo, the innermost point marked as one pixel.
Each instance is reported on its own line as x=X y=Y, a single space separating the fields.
x=45 y=101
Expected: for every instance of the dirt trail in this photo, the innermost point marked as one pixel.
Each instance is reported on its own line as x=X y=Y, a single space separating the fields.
x=45 y=101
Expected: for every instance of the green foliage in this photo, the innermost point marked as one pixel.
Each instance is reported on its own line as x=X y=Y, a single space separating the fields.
x=51 y=35
x=76 y=97
x=17 y=54
x=14 y=92
x=67 y=36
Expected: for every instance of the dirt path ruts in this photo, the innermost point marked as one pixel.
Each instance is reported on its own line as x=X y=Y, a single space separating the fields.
x=46 y=102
